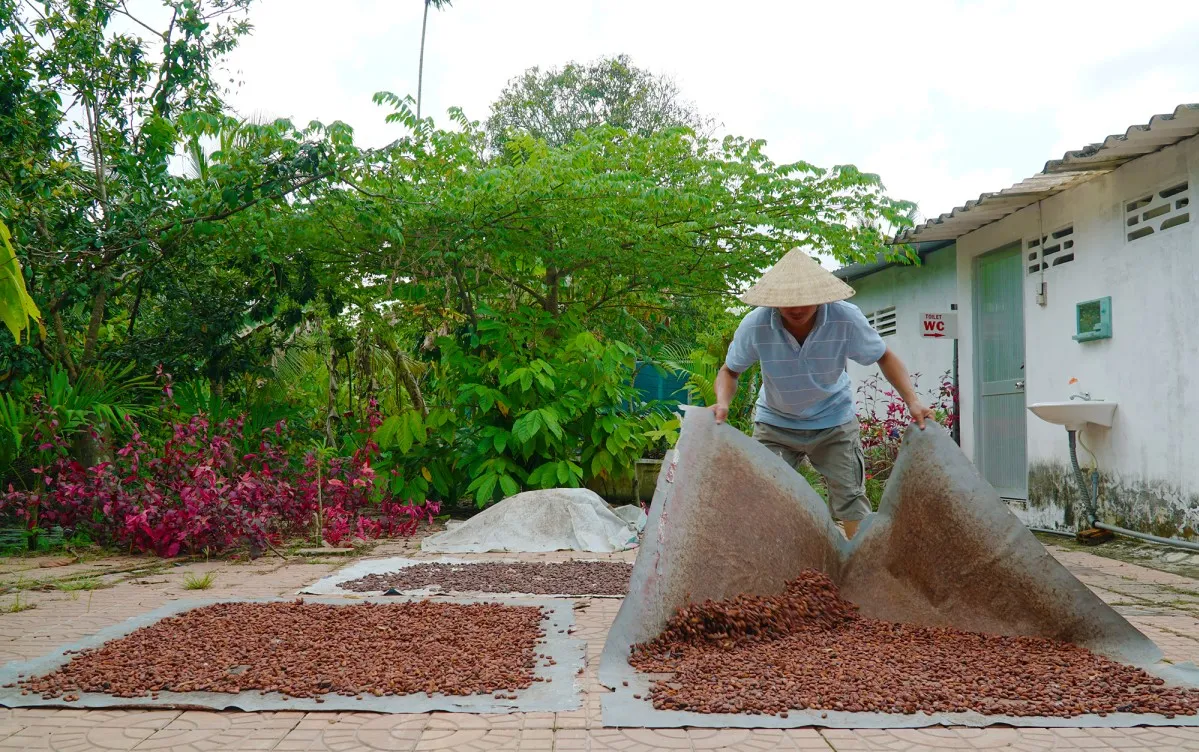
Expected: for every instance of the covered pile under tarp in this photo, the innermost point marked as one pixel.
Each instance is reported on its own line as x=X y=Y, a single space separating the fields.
x=730 y=518
x=556 y=519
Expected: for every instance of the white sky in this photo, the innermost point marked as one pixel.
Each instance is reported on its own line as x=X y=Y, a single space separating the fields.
x=944 y=99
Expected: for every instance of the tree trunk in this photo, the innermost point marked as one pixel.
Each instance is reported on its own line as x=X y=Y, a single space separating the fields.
x=368 y=380
x=420 y=71
x=137 y=303
x=90 y=450
x=410 y=384
x=331 y=416
x=64 y=348
x=552 y=284
x=468 y=306
x=404 y=375
x=93 y=327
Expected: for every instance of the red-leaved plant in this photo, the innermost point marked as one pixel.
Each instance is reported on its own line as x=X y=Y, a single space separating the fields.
x=197 y=493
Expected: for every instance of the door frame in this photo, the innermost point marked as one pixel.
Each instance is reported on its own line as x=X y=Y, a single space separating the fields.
x=1016 y=246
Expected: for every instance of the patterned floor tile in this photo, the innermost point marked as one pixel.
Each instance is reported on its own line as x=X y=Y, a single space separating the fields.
x=1151 y=599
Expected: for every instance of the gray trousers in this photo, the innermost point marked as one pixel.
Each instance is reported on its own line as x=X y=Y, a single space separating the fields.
x=836 y=453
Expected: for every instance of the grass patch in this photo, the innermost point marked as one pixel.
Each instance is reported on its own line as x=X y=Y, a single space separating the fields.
x=198 y=582
x=83 y=583
x=1129 y=551
x=18 y=605
x=19 y=584
x=1179 y=591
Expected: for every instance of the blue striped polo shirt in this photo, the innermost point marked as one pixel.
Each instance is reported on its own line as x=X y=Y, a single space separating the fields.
x=805 y=386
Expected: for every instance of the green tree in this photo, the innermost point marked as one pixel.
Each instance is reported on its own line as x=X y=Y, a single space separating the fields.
x=538 y=279
x=112 y=236
x=84 y=180
x=493 y=308
x=556 y=103
x=618 y=225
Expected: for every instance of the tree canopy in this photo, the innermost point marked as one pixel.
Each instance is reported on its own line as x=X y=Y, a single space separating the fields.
x=613 y=223
x=556 y=103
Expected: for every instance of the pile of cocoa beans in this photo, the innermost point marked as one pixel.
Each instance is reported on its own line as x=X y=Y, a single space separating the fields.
x=311 y=649
x=540 y=578
x=809 y=649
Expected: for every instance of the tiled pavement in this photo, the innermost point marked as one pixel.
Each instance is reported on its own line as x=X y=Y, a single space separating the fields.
x=1164 y=605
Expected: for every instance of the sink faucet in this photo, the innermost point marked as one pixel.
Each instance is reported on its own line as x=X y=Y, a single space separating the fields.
x=1084 y=396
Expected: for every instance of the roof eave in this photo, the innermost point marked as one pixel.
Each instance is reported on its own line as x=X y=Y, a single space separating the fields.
x=1075 y=167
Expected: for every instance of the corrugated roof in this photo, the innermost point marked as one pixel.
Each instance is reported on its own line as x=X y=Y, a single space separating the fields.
x=1073 y=168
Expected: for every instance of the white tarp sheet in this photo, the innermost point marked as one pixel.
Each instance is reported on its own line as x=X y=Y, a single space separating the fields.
x=556 y=519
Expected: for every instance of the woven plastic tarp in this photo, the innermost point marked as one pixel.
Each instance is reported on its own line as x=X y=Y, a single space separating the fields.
x=556 y=519
x=729 y=517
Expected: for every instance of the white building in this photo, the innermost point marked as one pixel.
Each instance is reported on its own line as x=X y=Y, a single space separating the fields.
x=1113 y=222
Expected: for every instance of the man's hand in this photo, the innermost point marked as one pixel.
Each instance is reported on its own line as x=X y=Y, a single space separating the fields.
x=897 y=374
x=920 y=413
x=726 y=389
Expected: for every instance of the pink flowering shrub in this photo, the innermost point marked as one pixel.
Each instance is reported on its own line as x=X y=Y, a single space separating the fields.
x=883 y=418
x=197 y=492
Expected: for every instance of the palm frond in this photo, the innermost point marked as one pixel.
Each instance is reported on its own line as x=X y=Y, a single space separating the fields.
x=699 y=366
x=109 y=394
x=14 y=424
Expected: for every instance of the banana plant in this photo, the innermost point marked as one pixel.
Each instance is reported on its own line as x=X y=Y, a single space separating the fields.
x=17 y=309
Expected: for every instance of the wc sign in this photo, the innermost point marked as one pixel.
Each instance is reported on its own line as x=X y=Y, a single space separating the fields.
x=939 y=325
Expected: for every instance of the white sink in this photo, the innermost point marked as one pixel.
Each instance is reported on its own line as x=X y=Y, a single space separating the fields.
x=1075 y=415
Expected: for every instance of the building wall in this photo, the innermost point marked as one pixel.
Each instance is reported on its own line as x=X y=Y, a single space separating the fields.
x=1149 y=479
x=913 y=290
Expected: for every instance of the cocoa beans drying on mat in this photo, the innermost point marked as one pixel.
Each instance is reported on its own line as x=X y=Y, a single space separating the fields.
x=312 y=649
x=540 y=578
x=808 y=648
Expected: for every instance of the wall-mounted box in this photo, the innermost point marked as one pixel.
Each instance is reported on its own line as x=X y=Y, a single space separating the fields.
x=1093 y=320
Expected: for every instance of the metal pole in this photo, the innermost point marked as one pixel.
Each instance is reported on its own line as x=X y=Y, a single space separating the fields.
x=957 y=410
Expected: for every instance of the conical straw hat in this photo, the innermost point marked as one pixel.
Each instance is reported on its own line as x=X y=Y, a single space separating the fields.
x=796 y=280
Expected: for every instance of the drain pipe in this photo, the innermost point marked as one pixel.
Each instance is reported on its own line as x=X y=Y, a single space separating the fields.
x=1177 y=543
x=1091 y=500
x=1091 y=495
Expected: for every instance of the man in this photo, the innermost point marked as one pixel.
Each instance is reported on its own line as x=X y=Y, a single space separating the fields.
x=802 y=334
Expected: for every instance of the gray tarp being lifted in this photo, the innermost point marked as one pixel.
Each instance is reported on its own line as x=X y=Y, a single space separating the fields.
x=729 y=517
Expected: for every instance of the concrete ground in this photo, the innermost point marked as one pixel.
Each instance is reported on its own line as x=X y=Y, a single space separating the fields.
x=73 y=599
